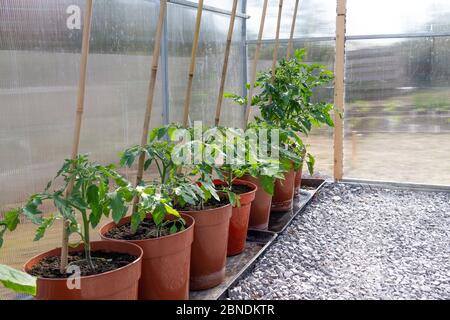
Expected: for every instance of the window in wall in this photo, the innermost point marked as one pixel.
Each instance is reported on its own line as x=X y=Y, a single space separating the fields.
x=397 y=116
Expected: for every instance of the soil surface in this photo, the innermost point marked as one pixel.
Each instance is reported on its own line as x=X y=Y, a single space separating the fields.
x=240 y=189
x=211 y=204
x=146 y=230
x=103 y=261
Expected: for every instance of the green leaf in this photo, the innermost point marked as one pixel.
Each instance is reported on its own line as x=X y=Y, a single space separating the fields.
x=268 y=184
x=171 y=133
x=135 y=221
x=171 y=210
x=117 y=206
x=153 y=134
x=173 y=229
x=46 y=223
x=2 y=233
x=234 y=199
x=311 y=161
x=11 y=219
x=63 y=207
x=159 y=214
x=18 y=281
x=93 y=199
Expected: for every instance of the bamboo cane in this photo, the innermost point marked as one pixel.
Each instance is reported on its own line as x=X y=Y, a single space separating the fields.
x=187 y=100
x=225 y=62
x=255 y=63
x=277 y=40
x=291 y=37
x=151 y=93
x=78 y=122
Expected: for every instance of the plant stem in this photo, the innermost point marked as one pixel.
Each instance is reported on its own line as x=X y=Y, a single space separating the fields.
x=159 y=170
x=87 y=241
x=230 y=178
x=163 y=179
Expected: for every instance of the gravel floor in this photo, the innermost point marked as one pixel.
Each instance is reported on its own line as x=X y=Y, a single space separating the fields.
x=357 y=242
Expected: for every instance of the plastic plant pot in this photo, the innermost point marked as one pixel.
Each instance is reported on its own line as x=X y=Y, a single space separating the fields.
x=165 y=263
x=118 y=284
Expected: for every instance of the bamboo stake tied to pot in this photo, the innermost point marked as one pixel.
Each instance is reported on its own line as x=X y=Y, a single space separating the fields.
x=225 y=62
x=187 y=100
x=291 y=37
x=78 y=121
x=277 y=40
x=255 y=63
x=151 y=94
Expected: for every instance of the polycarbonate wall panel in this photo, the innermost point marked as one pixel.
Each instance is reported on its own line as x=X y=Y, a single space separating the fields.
x=397 y=116
x=316 y=18
x=220 y=4
x=320 y=140
x=209 y=62
x=39 y=72
x=371 y=17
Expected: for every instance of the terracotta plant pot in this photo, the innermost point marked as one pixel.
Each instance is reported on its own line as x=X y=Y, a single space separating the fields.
x=260 y=208
x=298 y=175
x=298 y=178
x=284 y=193
x=209 y=249
x=237 y=234
x=119 y=284
x=165 y=264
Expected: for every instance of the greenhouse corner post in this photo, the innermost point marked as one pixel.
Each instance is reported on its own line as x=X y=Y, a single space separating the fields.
x=187 y=100
x=225 y=62
x=255 y=63
x=339 y=90
x=291 y=37
x=150 y=94
x=79 y=117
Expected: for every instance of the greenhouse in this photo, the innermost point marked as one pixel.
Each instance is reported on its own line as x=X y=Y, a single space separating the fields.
x=225 y=150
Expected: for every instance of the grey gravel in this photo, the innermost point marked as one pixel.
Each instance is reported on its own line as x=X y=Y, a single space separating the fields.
x=359 y=242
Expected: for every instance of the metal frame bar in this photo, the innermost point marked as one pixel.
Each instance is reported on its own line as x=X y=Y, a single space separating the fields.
x=311 y=39
x=207 y=8
x=398 y=185
x=359 y=37
x=399 y=35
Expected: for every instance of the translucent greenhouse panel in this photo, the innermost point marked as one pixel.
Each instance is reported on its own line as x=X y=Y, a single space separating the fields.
x=397 y=116
x=39 y=62
x=220 y=4
x=315 y=18
x=400 y=16
x=118 y=77
x=320 y=140
x=209 y=62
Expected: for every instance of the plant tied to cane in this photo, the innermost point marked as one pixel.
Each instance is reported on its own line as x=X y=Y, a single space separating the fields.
x=179 y=183
x=85 y=190
x=287 y=101
x=242 y=157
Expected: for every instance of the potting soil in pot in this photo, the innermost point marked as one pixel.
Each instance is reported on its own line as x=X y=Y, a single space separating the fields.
x=103 y=262
x=146 y=230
